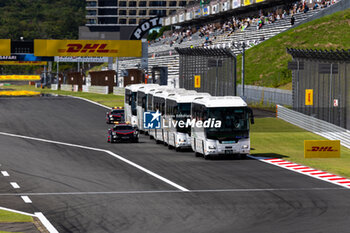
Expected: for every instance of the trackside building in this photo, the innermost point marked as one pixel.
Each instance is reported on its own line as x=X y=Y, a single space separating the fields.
x=321 y=84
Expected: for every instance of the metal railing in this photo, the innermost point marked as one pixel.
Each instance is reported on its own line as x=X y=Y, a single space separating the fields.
x=317 y=126
x=266 y=95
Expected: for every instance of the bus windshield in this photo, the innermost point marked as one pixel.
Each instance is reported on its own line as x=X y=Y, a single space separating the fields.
x=184 y=113
x=234 y=123
x=133 y=103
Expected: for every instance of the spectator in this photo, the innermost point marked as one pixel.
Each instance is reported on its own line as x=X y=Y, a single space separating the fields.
x=292 y=20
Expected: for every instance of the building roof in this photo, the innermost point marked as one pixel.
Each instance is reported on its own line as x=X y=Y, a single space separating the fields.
x=337 y=55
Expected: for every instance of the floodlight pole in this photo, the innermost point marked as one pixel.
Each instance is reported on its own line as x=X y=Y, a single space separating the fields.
x=58 y=67
x=243 y=66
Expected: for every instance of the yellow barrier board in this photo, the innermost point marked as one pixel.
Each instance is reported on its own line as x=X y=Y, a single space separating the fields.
x=19 y=77
x=259 y=1
x=197 y=81
x=321 y=149
x=5 y=47
x=23 y=63
x=88 y=48
x=309 y=97
x=247 y=2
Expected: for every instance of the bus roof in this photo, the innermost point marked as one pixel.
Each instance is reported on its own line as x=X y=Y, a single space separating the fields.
x=134 y=87
x=164 y=93
x=187 y=97
x=221 y=101
x=148 y=87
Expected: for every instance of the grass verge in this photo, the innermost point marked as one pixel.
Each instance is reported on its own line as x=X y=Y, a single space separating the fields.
x=8 y=216
x=109 y=100
x=272 y=137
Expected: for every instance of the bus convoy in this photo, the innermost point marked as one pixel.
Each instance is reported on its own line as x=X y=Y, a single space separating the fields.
x=208 y=125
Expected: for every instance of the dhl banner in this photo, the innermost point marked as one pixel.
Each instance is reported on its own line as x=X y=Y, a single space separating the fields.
x=88 y=48
x=23 y=63
x=19 y=77
x=322 y=149
x=5 y=47
x=197 y=81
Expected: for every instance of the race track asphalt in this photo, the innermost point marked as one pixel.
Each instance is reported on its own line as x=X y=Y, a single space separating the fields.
x=84 y=190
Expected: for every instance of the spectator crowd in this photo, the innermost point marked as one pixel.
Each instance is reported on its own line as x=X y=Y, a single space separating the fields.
x=233 y=24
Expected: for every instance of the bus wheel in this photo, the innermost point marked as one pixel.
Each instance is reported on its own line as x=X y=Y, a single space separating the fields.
x=197 y=154
x=206 y=157
x=178 y=149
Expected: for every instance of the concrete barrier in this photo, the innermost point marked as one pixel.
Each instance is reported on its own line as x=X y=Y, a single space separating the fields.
x=118 y=91
x=96 y=89
x=66 y=87
x=54 y=87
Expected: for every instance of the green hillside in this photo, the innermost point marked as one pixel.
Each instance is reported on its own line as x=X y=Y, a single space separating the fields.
x=41 y=19
x=266 y=63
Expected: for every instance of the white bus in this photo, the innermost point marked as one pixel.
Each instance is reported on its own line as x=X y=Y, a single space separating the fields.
x=150 y=106
x=159 y=104
x=130 y=103
x=142 y=95
x=178 y=108
x=232 y=137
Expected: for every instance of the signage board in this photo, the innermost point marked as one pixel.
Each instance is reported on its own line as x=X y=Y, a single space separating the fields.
x=322 y=148
x=5 y=47
x=23 y=63
x=88 y=48
x=197 y=81
x=309 y=97
x=82 y=59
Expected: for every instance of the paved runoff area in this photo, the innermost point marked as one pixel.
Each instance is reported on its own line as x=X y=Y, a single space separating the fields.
x=55 y=159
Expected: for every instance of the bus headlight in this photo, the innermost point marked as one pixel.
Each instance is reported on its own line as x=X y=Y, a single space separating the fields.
x=245 y=147
x=212 y=147
x=182 y=140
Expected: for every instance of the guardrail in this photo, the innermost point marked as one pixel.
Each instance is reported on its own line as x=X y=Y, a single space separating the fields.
x=96 y=89
x=317 y=126
x=118 y=91
x=54 y=87
x=66 y=87
x=266 y=95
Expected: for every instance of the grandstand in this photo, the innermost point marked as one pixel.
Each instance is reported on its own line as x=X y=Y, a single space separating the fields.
x=162 y=53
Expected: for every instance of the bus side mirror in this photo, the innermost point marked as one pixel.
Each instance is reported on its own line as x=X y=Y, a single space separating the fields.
x=251 y=115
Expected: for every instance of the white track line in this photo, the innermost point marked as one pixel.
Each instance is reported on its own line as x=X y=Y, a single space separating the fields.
x=5 y=173
x=14 y=185
x=45 y=222
x=26 y=199
x=148 y=171
x=170 y=191
x=101 y=105
x=307 y=171
x=105 y=151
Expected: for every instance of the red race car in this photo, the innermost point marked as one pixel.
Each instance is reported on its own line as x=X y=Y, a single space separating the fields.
x=123 y=132
x=115 y=115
